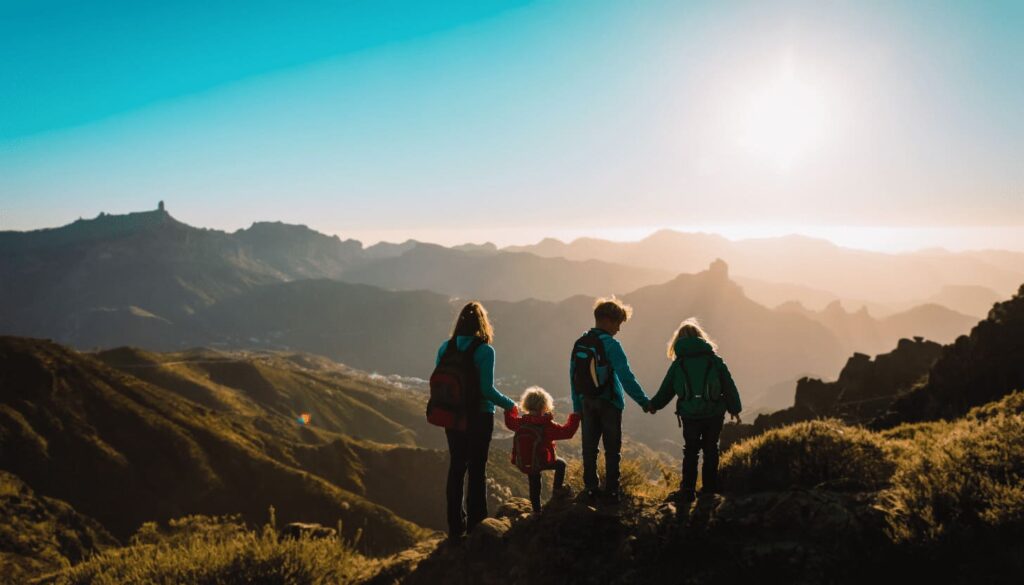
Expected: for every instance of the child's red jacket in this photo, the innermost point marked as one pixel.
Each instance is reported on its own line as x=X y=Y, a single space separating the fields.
x=552 y=431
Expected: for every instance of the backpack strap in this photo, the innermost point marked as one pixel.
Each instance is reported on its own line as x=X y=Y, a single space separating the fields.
x=599 y=348
x=707 y=379
x=473 y=345
x=453 y=346
x=687 y=384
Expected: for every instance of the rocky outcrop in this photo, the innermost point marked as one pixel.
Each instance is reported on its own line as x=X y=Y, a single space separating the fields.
x=865 y=389
x=974 y=370
x=799 y=535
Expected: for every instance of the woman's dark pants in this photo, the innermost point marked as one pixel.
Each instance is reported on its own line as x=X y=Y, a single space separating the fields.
x=701 y=435
x=467 y=452
x=559 y=467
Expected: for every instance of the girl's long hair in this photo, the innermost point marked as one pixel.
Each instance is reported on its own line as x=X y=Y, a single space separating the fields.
x=473 y=321
x=689 y=328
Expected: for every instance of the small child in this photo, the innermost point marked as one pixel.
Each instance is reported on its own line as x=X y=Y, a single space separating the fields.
x=533 y=447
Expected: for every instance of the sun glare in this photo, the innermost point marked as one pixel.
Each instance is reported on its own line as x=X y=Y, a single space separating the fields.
x=783 y=121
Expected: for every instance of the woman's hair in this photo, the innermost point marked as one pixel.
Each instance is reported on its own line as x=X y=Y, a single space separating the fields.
x=689 y=328
x=473 y=321
x=612 y=309
x=537 y=399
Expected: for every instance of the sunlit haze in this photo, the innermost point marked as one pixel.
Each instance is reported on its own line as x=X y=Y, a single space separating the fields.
x=510 y=121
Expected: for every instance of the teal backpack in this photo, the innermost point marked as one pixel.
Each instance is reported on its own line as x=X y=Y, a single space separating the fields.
x=711 y=390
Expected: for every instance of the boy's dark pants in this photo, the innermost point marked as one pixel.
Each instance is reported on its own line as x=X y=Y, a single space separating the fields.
x=601 y=422
x=701 y=435
x=467 y=451
x=559 y=467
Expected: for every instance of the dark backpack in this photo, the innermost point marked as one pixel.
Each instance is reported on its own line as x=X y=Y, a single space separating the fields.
x=708 y=392
x=454 y=387
x=528 y=444
x=587 y=356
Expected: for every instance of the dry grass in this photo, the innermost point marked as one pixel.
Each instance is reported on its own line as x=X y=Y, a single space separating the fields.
x=810 y=454
x=200 y=550
x=935 y=481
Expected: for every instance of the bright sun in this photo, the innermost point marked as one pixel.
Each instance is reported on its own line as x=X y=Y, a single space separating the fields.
x=783 y=121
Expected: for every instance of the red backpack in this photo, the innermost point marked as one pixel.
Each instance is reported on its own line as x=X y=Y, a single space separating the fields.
x=454 y=387
x=530 y=449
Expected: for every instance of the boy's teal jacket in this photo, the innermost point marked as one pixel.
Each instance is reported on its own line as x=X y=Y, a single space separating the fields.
x=483 y=357
x=624 y=377
x=674 y=383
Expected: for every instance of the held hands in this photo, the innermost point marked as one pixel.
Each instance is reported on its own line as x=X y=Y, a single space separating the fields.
x=650 y=408
x=736 y=418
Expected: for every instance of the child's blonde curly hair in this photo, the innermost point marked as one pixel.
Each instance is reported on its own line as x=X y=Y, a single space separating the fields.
x=537 y=400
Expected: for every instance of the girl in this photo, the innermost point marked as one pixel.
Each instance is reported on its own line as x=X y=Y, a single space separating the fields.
x=700 y=379
x=468 y=449
x=533 y=447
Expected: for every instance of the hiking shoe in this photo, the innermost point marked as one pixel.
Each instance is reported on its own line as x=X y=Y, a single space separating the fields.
x=681 y=497
x=593 y=494
x=610 y=499
x=562 y=493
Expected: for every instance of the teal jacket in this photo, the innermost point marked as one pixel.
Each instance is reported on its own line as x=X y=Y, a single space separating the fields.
x=723 y=395
x=483 y=357
x=624 y=377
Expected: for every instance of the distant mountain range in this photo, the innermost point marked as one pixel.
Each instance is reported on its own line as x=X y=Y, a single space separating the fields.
x=146 y=279
x=813 y=264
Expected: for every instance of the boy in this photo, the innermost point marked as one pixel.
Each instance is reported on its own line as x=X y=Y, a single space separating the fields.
x=600 y=402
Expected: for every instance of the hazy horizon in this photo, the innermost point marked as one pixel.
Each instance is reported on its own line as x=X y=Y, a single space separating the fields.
x=886 y=239
x=512 y=120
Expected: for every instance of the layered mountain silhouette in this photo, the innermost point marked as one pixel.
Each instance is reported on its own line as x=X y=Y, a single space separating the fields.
x=818 y=265
x=472 y=273
x=859 y=331
x=917 y=381
x=147 y=280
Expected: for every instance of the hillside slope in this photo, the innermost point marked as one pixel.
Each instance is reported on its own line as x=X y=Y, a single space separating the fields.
x=124 y=451
x=41 y=534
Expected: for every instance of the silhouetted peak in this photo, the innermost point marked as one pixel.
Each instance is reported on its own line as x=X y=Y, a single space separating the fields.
x=389 y=249
x=470 y=248
x=792 y=307
x=719 y=269
x=278 y=230
x=835 y=308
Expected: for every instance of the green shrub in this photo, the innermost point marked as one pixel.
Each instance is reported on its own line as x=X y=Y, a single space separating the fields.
x=823 y=453
x=970 y=478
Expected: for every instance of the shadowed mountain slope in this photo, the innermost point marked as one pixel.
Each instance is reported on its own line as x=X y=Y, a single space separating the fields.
x=40 y=534
x=270 y=385
x=125 y=451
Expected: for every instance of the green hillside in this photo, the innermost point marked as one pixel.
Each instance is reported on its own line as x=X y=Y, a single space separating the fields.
x=125 y=451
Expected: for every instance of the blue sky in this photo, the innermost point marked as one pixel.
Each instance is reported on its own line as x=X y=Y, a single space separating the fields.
x=458 y=121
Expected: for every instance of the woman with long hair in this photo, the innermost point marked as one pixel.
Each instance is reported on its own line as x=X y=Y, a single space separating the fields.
x=700 y=379
x=468 y=449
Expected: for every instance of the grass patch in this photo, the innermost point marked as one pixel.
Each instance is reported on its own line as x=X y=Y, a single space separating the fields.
x=823 y=453
x=202 y=550
x=965 y=480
